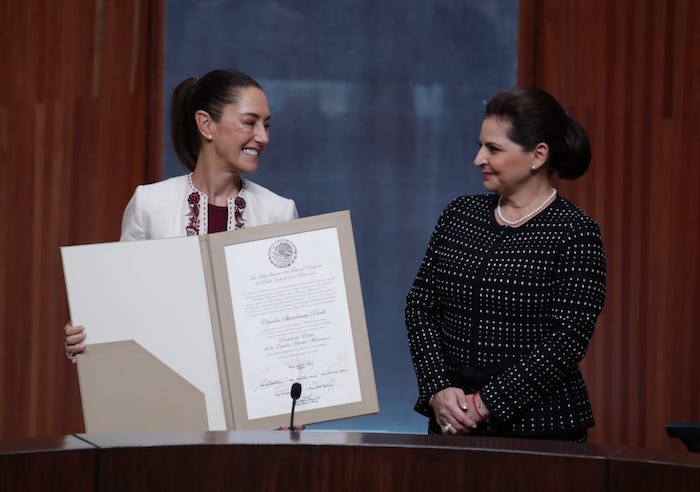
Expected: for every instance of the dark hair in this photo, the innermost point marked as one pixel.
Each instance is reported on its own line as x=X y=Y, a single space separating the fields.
x=535 y=116
x=210 y=93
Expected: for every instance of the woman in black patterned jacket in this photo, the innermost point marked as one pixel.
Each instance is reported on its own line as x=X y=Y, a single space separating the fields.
x=504 y=304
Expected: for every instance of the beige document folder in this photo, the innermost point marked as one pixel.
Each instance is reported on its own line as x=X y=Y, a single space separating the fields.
x=163 y=349
x=124 y=386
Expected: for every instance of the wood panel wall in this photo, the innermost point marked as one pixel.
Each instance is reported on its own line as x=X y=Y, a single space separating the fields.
x=629 y=71
x=80 y=127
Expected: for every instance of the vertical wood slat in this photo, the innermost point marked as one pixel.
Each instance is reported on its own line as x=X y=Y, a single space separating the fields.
x=629 y=72
x=80 y=105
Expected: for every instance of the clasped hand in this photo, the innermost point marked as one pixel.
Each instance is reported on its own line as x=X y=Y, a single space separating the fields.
x=454 y=411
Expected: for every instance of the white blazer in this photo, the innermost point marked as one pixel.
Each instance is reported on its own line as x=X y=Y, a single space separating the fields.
x=161 y=210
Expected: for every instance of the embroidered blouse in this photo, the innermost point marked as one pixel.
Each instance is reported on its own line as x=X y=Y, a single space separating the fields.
x=166 y=209
x=199 y=210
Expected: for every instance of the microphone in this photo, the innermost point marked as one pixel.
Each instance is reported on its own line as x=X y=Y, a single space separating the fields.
x=295 y=394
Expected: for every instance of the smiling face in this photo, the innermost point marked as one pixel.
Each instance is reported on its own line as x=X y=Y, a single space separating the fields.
x=505 y=166
x=242 y=133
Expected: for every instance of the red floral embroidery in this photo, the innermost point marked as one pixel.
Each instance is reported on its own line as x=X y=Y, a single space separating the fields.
x=240 y=204
x=193 y=227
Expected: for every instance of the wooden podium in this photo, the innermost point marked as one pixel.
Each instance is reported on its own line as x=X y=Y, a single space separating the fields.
x=329 y=461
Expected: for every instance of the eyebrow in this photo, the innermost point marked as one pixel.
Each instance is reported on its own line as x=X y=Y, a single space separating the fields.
x=256 y=115
x=487 y=142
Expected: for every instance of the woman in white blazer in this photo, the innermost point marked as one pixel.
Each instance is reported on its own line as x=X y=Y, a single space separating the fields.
x=220 y=126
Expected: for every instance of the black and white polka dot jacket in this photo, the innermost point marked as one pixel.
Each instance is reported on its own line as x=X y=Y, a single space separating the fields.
x=528 y=297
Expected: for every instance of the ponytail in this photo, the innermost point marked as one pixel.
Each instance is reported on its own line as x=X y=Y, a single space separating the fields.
x=183 y=126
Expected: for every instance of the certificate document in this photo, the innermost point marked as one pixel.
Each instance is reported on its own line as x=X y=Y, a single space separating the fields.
x=290 y=310
x=220 y=327
x=292 y=322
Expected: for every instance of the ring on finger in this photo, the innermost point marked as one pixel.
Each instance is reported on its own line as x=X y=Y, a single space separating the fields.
x=447 y=427
x=69 y=355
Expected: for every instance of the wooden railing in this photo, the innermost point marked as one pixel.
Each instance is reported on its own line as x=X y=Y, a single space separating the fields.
x=324 y=461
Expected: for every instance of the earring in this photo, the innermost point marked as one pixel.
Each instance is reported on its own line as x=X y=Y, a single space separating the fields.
x=533 y=168
x=210 y=137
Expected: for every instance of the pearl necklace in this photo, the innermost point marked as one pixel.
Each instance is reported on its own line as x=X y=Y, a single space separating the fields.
x=527 y=216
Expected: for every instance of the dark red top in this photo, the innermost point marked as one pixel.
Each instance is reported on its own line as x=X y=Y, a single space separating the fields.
x=217 y=218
